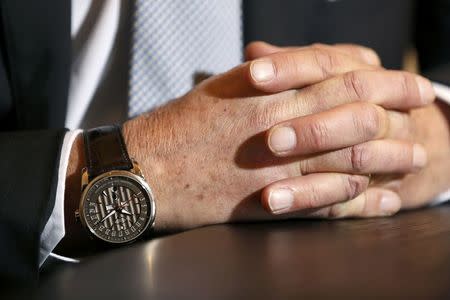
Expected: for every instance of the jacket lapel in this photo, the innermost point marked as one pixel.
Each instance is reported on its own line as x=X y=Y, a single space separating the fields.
x=37 y=45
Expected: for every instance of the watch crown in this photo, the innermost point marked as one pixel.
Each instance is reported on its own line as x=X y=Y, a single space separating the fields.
x=77 y=215
x=84 y=178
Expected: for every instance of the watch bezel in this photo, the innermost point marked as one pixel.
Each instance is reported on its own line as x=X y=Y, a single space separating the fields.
x=118 y=173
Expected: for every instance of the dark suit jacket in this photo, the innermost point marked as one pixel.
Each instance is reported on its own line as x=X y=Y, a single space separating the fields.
x=34 y=76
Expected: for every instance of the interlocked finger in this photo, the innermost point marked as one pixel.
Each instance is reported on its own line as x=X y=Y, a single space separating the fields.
x=396 y=90
x=373 y=157
x=337 y=128
x=374 y=202
x=294 y=69
x=259 y=49
x=311 y=191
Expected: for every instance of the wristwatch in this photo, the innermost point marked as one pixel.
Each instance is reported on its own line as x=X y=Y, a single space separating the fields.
x=117 y=205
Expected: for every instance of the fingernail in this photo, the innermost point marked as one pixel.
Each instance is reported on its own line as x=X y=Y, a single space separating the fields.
x=426 y=90
x=389 y=204
x=281 y=200
x=419 y=156
x=262 y=70
x=282 y=139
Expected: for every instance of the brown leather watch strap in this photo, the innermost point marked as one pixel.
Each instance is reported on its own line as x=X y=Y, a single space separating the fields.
x=105 y=150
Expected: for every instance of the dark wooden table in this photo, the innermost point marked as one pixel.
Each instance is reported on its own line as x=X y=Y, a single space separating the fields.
x=405 y=257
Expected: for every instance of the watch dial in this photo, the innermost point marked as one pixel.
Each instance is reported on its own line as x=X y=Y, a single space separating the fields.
x=117 y=208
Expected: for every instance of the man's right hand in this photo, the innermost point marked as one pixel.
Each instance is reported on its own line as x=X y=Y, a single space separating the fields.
x=206 y=158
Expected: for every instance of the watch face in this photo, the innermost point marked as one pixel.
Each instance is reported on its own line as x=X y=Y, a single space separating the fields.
x=117 y=207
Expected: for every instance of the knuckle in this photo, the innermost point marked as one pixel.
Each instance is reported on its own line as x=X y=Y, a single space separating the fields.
x=263 y=115
x=408 y=86
x=374 y=121
x=298 y=96
x=316 y=134
x=411 y=128
x=314 y=199
x=266 y=113
x=404 y=120
x=304 y=166
x=373 y=55
x=321 y=46
x=405 y=126
x=285 y=63
x=354 y=85
x=362 y=204
x=255 y=116
x=353 y=208
x=354 y=185
x=335 y=211
x=358 y=158
x=326 y=61
x=297 y=107
x=370 y=54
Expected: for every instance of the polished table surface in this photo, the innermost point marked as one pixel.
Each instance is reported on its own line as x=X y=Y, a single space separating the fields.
x=405 y=257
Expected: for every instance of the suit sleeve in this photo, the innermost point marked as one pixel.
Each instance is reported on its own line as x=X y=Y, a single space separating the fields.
x=432 y=38
x=28 y=180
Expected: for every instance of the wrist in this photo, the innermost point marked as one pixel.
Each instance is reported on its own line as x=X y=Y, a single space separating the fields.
x=76 y=241
x=144 y=146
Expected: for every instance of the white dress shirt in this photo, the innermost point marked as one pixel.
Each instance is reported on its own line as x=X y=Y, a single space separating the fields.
x=89 y=66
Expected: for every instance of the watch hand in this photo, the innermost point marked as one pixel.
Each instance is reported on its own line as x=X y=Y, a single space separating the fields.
x=126 y=202
x=126 y=212
x=109 y=207
x=107 y=216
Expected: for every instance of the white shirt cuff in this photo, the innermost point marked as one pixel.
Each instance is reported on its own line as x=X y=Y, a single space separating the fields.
x=54 y=230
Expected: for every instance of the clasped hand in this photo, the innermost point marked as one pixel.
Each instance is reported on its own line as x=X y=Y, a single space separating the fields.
x=292 y=132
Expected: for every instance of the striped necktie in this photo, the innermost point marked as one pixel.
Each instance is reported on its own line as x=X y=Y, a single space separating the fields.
x=175 y=40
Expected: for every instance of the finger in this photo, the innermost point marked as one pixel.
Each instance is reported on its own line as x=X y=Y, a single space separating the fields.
x=340 y=127
x=373 y=157
x=374 y=202
x=311 y=191
x=281 y=71
x=390 y=89
x=366 y=55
